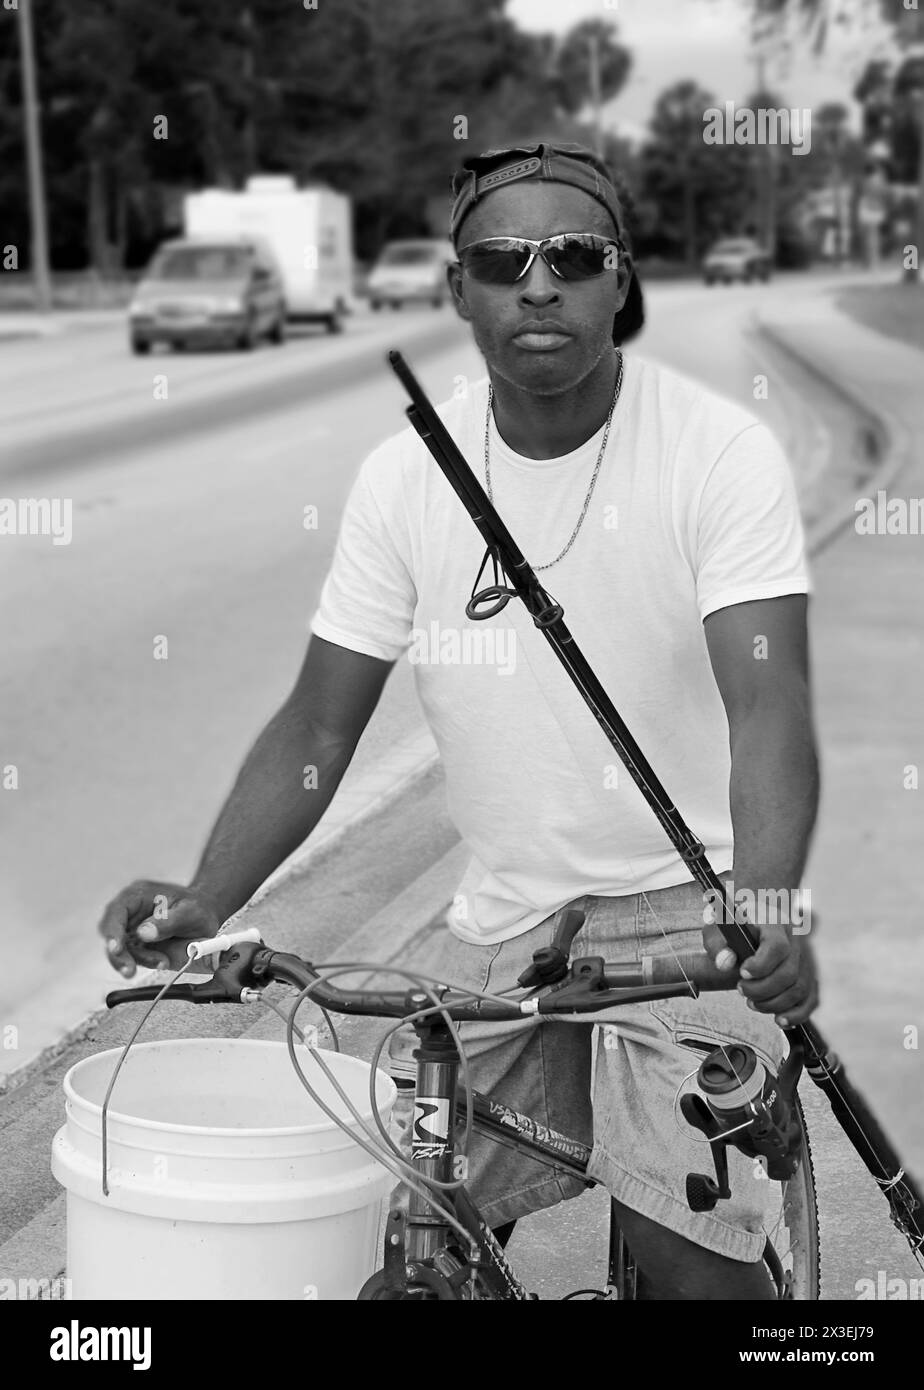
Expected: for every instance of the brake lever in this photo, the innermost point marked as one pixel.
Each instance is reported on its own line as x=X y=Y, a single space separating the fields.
x=550 y=963
x=234 y=975
x=206 y=993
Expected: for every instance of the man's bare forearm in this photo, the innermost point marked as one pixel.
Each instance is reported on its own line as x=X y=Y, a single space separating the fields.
x=774 y=798
x=282 y=790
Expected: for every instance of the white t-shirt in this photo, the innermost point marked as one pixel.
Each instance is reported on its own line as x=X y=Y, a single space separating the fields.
x=694 y=509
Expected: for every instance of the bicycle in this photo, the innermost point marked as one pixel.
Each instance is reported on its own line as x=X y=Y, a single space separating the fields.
x=437 y=1246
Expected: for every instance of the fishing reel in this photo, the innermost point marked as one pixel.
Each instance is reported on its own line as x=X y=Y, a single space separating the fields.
x=739 y=1102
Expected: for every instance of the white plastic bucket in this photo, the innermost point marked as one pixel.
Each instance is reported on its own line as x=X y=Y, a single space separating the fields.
x=225 y=1179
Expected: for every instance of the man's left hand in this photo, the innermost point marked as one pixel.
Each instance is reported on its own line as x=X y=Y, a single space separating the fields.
x=779 y=978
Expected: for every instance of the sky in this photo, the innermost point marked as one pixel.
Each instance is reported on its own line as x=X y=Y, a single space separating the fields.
x=706 y=40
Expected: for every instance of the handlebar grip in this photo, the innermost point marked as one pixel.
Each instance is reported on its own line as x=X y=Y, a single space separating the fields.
x=215 y=945
x=697 y=967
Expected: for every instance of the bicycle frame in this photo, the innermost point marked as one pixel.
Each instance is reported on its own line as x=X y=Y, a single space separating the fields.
x=416 y=1244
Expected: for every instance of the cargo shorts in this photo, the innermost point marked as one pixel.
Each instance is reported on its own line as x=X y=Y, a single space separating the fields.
x=624 y=1101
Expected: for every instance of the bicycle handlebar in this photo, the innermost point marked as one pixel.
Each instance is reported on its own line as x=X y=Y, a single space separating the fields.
x=591 y=984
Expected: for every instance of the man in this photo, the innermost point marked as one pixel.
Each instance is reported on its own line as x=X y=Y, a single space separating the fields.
x=669 y=518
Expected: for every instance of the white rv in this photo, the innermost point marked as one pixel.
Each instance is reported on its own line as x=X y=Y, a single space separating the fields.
x=309 y=229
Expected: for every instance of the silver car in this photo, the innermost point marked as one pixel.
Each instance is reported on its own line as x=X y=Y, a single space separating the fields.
x=198 y=292
x=408 y=271
x=736 y=258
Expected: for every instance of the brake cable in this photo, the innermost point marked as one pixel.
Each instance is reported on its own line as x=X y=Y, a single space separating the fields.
x=370 y=1144
x=419 y=979
x=104 y=1113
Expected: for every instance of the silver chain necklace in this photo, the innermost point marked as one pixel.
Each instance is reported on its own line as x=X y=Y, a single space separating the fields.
x=606 y=435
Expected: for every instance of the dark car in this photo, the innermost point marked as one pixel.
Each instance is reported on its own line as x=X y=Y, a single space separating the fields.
x=736 y=258
x=204 y=291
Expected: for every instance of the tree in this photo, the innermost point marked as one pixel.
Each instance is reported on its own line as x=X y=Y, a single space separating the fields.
x=817 y=19
x=591 y=67
x=110 y=68
x=873 y=91
x=839 y=159
x=908 y=122
x=390 y=99
x=574 y=58
x=696 y=191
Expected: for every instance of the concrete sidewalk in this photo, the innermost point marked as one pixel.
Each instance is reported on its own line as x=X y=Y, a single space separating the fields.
x=380 y=893
x=868 y=657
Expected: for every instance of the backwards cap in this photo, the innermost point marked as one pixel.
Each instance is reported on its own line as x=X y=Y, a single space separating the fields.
x=575 y=164
x=480 y=174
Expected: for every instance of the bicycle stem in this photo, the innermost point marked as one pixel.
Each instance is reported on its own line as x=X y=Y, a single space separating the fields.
x=821 y=1063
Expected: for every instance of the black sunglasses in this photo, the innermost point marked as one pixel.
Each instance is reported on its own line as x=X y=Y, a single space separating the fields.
x=502 y=260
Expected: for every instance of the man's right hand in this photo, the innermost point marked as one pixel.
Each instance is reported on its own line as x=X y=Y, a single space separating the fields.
x=150 y=923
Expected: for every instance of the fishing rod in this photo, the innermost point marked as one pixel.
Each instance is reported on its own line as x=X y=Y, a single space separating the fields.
x=821 y=1062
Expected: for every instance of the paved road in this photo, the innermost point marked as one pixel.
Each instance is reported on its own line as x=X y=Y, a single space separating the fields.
x=188 y=525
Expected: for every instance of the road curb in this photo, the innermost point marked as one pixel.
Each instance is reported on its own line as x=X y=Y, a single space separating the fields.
x=890 y=439
x=55 y=329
